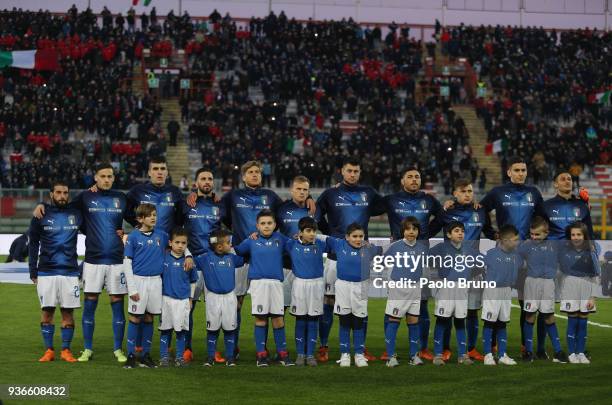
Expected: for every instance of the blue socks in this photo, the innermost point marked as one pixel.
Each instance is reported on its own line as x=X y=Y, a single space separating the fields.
x=228 y=339
x=88 y=321
x=502 y=338
x=487 y=335
x=413 y=336
x=528 y=334
x=139 y=334
x=147 y=336
x=552 y=331
x=211 y=342
x=326 y=323
x=180 y=344
x=47 y=331
x=461 y=340
x=300 y=334
x=424 y=324
x=447 y=337
x=67 y=334
x=390 y=336
x=359 y=339
x=438 y=337
x=132 y=336
x=571 y=334
x=118 y=323
x=472 y=330
x=542 y=330
x=312 y=324
x=164 y=342
x=581 y=336
x=345 y=338
x=260 y=338
x=280 y=340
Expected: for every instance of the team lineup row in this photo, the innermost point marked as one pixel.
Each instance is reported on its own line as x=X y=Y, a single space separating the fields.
x=341 y=212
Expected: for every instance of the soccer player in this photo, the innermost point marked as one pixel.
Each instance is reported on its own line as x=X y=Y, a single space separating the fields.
x=502 y=265
x=451 y=303
x=579 y=262
x=144 y=257
x=412 y=201
x=200 y=220
x=178 y=287
x=405 y=302
x=103 y=212
x=218 y=266
x=565 y=208
x=476 y=222
x=353 y=255
x=539 y=291
x=54 y=269
x=306 y=255
x=266 y=277
x=339 y=207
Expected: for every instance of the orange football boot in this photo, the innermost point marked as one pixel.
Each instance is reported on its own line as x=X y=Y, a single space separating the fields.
x=66 y=355
x=475 y=355
x=426 y=354
x=323 y=354
x=48 y=356
x=219 y=358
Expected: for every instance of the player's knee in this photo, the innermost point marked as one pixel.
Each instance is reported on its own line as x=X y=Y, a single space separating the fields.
x=116 y=298
x=92 y=297
x=358 y=322
x=549 y=319
x=261 y=320
x=134 y=318
x=329 y=300
x=583 y=315
x=346 y=321
x=412 y=320
x=459 y=323
x=572 y=314
x=490 y=325
x=278 y=322
x=148 y=318
x=393 y=319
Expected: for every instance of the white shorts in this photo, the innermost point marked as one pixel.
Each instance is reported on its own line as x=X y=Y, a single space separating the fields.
x=99 y=276
x=351 y=298
x=58 y=290
x=174 y=314
x=451 y=302
x=267 y=297
x=307 y=296
x=576 y=293
x=496 y=304
x=475 y=298
x=539 y=295
x=403 y=301
x=242 y=280
x=330 y=274
x=221 y=311
x=287 y=285
x=199 y=287
x=150 y=291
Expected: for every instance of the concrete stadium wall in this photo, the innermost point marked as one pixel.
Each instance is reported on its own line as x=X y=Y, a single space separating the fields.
x=562 y=14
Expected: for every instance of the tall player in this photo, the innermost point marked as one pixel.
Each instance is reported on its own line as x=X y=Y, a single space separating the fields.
x=102 y=213
x=54 y=269
x=411 y=201
x=339 y=207
x=565 y=208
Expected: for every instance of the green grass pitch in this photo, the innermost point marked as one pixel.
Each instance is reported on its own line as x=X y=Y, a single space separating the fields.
x=104 y=381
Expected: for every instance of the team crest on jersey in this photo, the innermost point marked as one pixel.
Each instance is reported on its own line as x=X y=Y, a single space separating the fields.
x=276 y=243
x=364 y=197
x=116 y=203
x=158 y=242
x=529 y=197
x=169 y=197
x=71 y=219
x=423 y=205
x=475 y=217
x=577 y=212
x=149 y=242
x=215 y=211
x=264 y=200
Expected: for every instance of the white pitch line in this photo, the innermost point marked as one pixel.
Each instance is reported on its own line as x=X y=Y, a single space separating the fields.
x=601 y=325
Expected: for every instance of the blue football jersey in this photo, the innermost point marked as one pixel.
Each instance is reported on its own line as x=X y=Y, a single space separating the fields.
x=266 y=256
x=147 y=251
x=415 y=262
x=578 y=262
x=176 y=282
x=288 y=214
x=541 y=257
x=200 y=221
x=219 y=271
x=502 y=267
x=561 y=213
x=353 y=263
x=166 y=200
x=420 y=205
x=306 y=258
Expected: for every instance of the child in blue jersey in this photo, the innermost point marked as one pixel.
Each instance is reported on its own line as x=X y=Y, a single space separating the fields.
x=218 y=268
x=266 y=285
x=451 y=303
x=502 y=265
x=540 y=256
x=405 y=301
x=579 y=263
x=144 y=257
x=178 y=287
x=307 y=293
x=351 y=305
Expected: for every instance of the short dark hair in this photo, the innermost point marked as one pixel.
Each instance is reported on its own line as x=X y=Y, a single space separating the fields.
x=507 y=231
x=354 y=227
x=251 y=163
x=203 y=170
x=514 y=160
x=560 y=172
x=411 y=221
x=60 y=183
x=461 y=182
x=104 y=165
x=265 y=213
x=452 y=225
x=158 y=160
x=410 y=169
x=307 y=223
x=145 y=210
x=537 y=222
x=217 y=235
x=179 y=231
x=353 y=161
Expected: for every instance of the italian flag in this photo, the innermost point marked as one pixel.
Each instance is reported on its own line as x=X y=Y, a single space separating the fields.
x=42 y=59
x=604 y=97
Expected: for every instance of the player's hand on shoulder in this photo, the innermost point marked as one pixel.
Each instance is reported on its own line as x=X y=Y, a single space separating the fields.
x=135 y=297
x=448 y=204
x=191 y=199
x=93 y=189
x=34 y=280
x=39 y=211
x=188 y=264
x=477 y=205
x=216 y=198
x=254 y=236
x=120 y=233
x=312 y=206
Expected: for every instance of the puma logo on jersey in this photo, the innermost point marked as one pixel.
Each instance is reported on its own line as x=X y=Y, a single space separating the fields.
x=243 y=199
x=194 y=210
x=95 y=203
x=507 y=196
x=555 y=211
x=51 y=221
x=148 y=197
